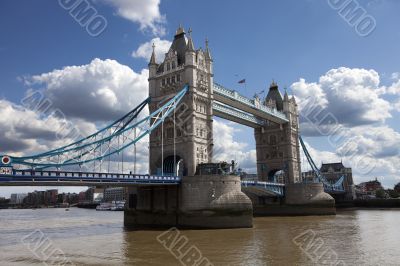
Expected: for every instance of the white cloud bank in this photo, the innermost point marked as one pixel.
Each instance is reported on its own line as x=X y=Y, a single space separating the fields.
x=102 y=90
x=352 y=96
x=350 y=108
x=145 y=12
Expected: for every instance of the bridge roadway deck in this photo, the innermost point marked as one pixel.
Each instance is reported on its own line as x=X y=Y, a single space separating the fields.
x=69 y=178
x=12 y=177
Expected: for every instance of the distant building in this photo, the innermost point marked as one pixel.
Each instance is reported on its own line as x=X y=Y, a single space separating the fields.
x=308 y=176
x=51 y=197
x=397 y=187
x=91 y=195
x=17 y=198
x=368 y=189
x=114 y=193
x=333 y=172
x=248 y=177
x=71 y=198
x=42 y=198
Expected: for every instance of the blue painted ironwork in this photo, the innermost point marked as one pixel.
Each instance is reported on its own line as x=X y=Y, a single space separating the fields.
x=33 y=177
x=277 y=189
x=108 y=141
x=336 y=187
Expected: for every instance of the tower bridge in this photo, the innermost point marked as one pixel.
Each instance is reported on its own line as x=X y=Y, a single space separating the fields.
x=183 y=98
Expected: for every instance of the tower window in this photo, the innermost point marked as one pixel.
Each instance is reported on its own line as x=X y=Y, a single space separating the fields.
x=178 y=78
x=168 y=67
x=163 y=82
x=173 y=65
x=272 y=139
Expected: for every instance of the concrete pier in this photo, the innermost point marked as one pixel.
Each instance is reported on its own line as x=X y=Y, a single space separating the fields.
x=213 y=201
x=300 y=199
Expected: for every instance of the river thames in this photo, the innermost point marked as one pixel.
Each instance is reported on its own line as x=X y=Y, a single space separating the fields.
x=87 y=237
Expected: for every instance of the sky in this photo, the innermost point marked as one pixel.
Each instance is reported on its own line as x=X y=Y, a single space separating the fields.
x=94 y=73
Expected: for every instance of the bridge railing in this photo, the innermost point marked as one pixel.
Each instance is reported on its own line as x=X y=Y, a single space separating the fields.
x=276 y=188
x=234 y=95
x=66 y=174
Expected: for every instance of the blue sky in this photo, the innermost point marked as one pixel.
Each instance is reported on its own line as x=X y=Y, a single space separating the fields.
x=258 y=40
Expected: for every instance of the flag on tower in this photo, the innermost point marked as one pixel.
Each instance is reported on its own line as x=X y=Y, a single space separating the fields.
x=242 y=81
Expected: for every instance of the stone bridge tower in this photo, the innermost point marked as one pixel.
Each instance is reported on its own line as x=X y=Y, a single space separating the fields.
x=278 y=146
x=183 y=64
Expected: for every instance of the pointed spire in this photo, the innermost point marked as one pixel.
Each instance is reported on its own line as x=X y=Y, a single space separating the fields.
x=208 y=53
x=190 y=45
x=180 y=30
x=293 y=99
x=286 y=96
x=273 y=84
x=153 y=56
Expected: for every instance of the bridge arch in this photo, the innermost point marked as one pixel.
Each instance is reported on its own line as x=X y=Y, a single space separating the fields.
x=169 y=162
x=273 y=175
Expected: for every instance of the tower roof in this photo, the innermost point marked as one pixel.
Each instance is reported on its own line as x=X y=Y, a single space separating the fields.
x=179 y=44
x=190 y=45
x=275 y=95
x=153 y=56
x=286 y=96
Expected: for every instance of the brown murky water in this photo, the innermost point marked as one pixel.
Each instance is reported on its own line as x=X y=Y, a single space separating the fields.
x=87 y=237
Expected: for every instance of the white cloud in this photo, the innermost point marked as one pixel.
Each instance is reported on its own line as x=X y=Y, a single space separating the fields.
x=304 y=90
x=146 y=13
x=102 y=90
x=352 y=96
x=227 y=149
x=357 y=106
x=145 y=49
x=378 y=142
x=397 y=105
x=394 y=89
x=395 y=75
x=24 y=131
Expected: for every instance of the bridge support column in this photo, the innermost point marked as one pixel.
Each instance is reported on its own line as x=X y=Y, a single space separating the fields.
x=213 y=201
x=199 y=202
x=300 y=199
x=309 y=199
x=151 y=206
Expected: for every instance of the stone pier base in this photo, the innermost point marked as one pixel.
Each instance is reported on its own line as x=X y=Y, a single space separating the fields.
x=199 y=202
x=300 y=199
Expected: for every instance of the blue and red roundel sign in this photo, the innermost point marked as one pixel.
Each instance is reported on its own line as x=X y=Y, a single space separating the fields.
x=5 y=160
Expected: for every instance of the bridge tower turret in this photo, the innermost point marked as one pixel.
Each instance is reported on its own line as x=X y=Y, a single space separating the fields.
x=192 y=131
x=277 y=146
